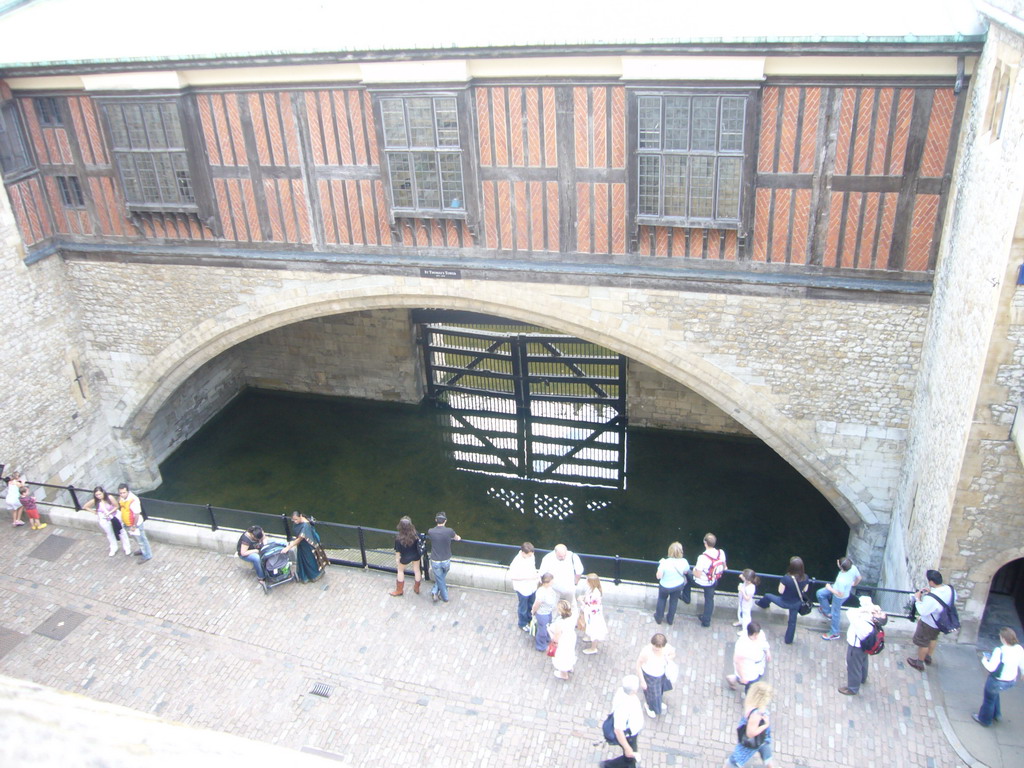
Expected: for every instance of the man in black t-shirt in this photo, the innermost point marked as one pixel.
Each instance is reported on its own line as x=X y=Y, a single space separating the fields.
x=441 y=538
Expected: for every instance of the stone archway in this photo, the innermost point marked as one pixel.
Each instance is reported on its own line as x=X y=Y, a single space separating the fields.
x=641 y=336
x=979 y=582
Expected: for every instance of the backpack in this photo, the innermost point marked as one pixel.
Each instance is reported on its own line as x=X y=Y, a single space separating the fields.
x=716 y=567
x=948 y=619
x=873 y=644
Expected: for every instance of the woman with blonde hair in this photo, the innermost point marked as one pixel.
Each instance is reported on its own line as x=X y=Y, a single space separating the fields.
x=595 y=627
x=754 y=733
x=563 y=634
x=407 y=550
x=673 y=573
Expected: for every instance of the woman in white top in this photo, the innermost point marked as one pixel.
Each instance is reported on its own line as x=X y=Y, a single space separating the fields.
x=672 y=584
x=544 y=601
x=652 y=667
x=1005 y=664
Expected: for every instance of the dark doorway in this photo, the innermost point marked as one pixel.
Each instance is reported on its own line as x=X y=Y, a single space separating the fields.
x=1005 y=604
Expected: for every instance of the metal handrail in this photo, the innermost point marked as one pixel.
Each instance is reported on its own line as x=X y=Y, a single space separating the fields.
x=895 y=602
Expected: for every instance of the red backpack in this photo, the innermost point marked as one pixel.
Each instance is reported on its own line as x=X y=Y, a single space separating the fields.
x=873 y=644
x=716 y=567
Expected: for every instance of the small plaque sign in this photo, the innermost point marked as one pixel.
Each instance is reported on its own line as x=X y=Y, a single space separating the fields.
x=441 y=274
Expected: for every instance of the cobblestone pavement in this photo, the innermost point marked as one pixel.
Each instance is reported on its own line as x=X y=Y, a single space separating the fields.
x=190 y=636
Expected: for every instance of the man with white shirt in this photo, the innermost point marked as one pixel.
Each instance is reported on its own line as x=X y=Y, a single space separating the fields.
x=523 y=573
x=627 y=720
x=567 y=569
x=930 y=602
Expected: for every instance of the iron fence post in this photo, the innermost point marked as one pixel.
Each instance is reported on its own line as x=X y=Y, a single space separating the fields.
x=362 y=544
x=287 y=527
x=618 y=571
x=74 y=498
x=213 y=518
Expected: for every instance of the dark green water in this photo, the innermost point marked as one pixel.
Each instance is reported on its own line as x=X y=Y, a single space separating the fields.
x=368 y=463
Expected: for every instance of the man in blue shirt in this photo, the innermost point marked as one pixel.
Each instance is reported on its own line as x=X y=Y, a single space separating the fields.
x=832 y=596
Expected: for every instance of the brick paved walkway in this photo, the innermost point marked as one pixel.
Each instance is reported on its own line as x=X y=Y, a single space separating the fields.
x=190 y=637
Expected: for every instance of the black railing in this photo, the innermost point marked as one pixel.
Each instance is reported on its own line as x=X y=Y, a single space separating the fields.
x=373 y=548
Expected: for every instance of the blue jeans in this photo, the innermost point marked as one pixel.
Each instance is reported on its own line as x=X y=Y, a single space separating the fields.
x=990 y=699
x=147 y=552
x=543 y=638
x=671 y=596
x=791 y=607
x=832 y=605
x=254 y=558
x=440 y=570
x=525 y=606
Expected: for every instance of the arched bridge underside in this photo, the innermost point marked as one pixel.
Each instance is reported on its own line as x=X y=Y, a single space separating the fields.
x=827 y=384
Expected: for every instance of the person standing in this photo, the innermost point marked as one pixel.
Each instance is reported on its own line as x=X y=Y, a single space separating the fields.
x=672 y=584
x=863 y=621
x=832 y=596
x=306 y=543
x=1005 y=664
x=563 y=634
x=13 y=497
x=407 y=550
x=652 y=670
x=106 y=509
x=792 y=588
x=567 y=569
x=131 y=518
x=523 y=573
x=750 y=658
x=627 y=722
x=441 y=538
x=544 y=602
x=706 y=572
x=745 y=598
x=930 y=602
x=592 y=609
x=754 y=722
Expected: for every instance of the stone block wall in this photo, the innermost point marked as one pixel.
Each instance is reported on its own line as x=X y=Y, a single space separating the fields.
x=654 y=400
x=53 y=428
x=960 y=490
x=362 y=354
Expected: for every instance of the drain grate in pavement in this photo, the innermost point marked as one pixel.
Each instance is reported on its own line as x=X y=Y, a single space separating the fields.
x=8 y=639
x=60 y=625
x=52 y=547
x=321 y=689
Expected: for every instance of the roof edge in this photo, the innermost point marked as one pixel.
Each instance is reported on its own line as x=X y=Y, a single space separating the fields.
x=953 y=45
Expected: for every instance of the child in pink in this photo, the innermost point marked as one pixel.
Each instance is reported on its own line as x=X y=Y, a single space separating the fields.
x=31 y=507
x=745 y=598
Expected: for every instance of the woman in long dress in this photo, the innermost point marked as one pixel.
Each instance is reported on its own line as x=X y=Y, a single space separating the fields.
x=593 y=612
x=563 y=632
x=306 y=567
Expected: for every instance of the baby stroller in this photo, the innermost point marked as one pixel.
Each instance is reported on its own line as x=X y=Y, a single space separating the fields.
x=277 y=565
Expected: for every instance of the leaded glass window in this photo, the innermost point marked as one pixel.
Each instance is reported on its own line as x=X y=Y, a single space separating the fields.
x=14 y=156
x=150 y=154
x=690 y=153
x=424 y=152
